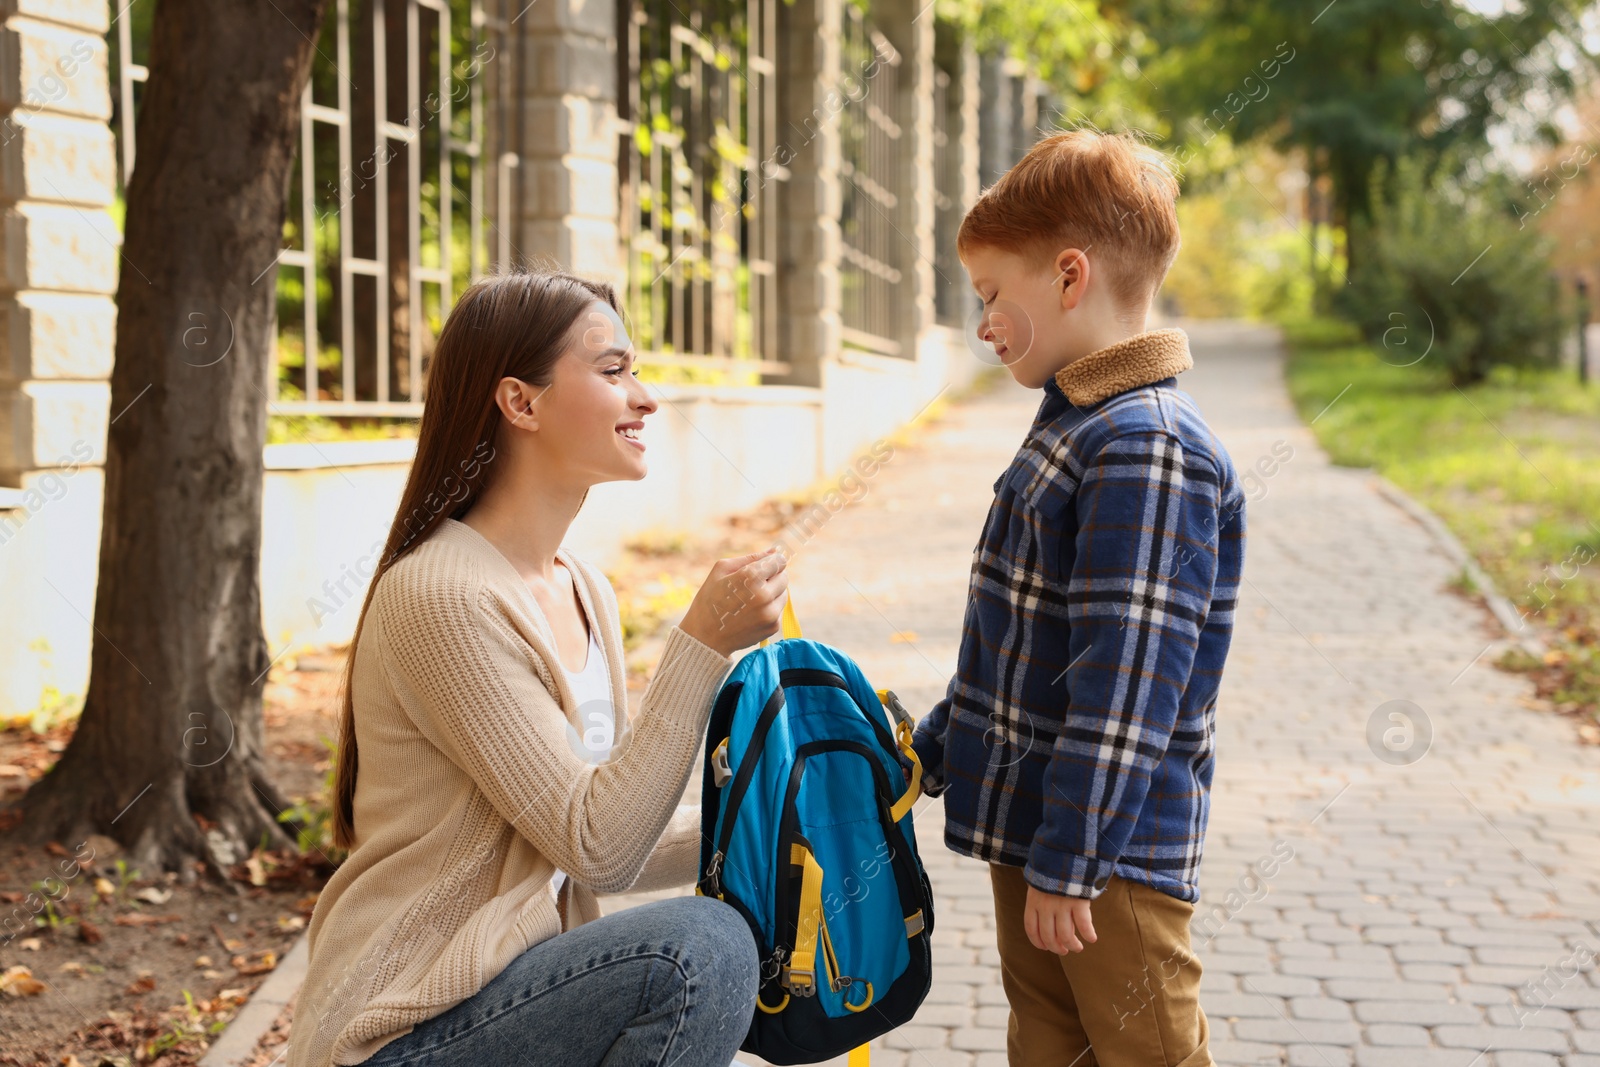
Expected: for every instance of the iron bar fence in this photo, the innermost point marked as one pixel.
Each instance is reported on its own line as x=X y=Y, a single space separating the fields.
x=402 y=193
x=871 y=130
x=697 y=111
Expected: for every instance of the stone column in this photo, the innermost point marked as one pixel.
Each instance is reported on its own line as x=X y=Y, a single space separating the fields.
x=1024 y=110
x=569 y=139
x=995 y=122
x=57 y=338
x=964 y=87
x=810 y=199
x=57 y=178
x=909 y=25
x=967 y=85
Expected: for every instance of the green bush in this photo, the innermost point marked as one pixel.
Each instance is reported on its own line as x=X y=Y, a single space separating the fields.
x=1443 y=271
x=1318 y=331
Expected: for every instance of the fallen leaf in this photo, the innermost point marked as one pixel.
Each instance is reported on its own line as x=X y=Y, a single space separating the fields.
x=56 y=848
x=256 y=962
x=152 y=895
x=19 y=981
x=103 y=888
x=237 y=996
x=29 y=944
x=143 y=984
x=11 y=770
x=73 y=967
x=140 y=919
x=89 y=933
x=13 y=898
x=69 y=1060
x=258 y=871
x=211 y=973
x=290 y=923
x=202 y=961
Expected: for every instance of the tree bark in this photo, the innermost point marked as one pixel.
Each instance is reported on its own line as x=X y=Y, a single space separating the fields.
x=167 y=757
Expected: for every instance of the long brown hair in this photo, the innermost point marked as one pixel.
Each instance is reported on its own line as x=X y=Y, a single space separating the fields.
x=509 y=325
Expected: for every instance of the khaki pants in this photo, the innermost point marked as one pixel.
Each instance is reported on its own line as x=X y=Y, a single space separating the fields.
x=1131 y=999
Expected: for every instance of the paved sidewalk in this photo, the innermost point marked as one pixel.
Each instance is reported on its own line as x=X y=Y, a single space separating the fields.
x=1416 y=899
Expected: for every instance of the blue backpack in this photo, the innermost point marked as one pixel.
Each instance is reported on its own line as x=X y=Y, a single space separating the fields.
x=806 y=830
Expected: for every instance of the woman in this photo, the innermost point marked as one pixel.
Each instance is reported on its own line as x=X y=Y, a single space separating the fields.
x=469 y=775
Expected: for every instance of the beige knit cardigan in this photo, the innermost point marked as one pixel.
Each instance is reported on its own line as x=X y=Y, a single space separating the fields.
x=473 y=789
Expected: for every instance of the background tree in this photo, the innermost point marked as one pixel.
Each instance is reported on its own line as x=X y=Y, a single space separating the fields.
x=167 y=755
x=1453 y=277
x=1352 y=82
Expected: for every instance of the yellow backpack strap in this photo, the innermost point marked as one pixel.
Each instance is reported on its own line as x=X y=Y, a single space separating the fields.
x=903 y=734
x=799 y=975
x=791 y=625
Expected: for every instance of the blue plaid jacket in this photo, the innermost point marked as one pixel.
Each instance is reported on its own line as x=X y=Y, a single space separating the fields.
x=1076 y=738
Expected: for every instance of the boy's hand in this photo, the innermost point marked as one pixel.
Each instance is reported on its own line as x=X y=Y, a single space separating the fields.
x=1055 y=922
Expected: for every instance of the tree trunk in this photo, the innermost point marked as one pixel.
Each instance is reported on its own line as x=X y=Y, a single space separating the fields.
x=167 y=757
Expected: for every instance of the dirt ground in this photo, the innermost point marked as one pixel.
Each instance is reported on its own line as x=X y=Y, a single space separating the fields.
x=127 y=969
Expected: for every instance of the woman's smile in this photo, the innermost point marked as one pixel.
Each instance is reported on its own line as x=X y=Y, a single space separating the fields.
x=629 y=431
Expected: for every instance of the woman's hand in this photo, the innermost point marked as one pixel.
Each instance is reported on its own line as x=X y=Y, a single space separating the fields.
x=740 y=602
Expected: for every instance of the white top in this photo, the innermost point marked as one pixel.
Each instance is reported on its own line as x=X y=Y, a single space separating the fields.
x=597 y=719
x=596 y=711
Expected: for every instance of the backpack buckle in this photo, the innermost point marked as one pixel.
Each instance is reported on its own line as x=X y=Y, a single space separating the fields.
x=897 y=709
x=720 y=771
x=800 y=982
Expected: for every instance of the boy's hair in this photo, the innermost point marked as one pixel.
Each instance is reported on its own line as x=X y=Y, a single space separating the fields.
x=1109 y=194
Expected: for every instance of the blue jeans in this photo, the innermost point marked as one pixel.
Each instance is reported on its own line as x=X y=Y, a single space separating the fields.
x=667 y=984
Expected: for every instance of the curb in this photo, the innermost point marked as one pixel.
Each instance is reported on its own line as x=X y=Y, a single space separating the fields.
x=1518 y=632
x=237 y=1043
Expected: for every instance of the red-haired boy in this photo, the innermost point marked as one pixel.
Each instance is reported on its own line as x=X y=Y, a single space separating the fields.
x=1074 y=745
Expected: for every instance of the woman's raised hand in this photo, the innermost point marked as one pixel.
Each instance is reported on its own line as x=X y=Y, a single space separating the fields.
x=740 y=602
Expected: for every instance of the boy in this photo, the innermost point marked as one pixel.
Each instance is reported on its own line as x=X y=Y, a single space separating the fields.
x=1076 y=738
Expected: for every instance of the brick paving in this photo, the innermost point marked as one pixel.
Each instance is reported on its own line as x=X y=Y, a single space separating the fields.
x=1431 y=912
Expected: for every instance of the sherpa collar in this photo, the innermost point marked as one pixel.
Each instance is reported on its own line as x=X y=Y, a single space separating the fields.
x=1144 y=358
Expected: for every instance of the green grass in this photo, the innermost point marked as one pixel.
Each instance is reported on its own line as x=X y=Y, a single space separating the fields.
x=1512 y=466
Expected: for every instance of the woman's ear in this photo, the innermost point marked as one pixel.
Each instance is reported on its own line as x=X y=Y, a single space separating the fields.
x=518 y=401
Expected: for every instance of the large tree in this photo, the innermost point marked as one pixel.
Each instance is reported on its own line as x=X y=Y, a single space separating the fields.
x=167 y=757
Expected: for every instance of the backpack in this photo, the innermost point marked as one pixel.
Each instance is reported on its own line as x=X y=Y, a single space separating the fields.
x=806 y=831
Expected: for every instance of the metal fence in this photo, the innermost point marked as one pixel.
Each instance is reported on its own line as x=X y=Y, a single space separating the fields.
x=870 y=132
x=400 y=197
x=948 y=305
x=697 y=105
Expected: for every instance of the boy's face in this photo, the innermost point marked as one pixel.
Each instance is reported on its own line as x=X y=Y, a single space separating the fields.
x=1037 y=318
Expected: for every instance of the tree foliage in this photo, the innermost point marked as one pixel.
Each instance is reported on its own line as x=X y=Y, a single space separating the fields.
x=1356 y=82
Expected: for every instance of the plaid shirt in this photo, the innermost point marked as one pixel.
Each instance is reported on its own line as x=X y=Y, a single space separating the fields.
x=1076 y=738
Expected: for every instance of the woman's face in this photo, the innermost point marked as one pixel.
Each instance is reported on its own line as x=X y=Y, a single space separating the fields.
x=591 y=415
